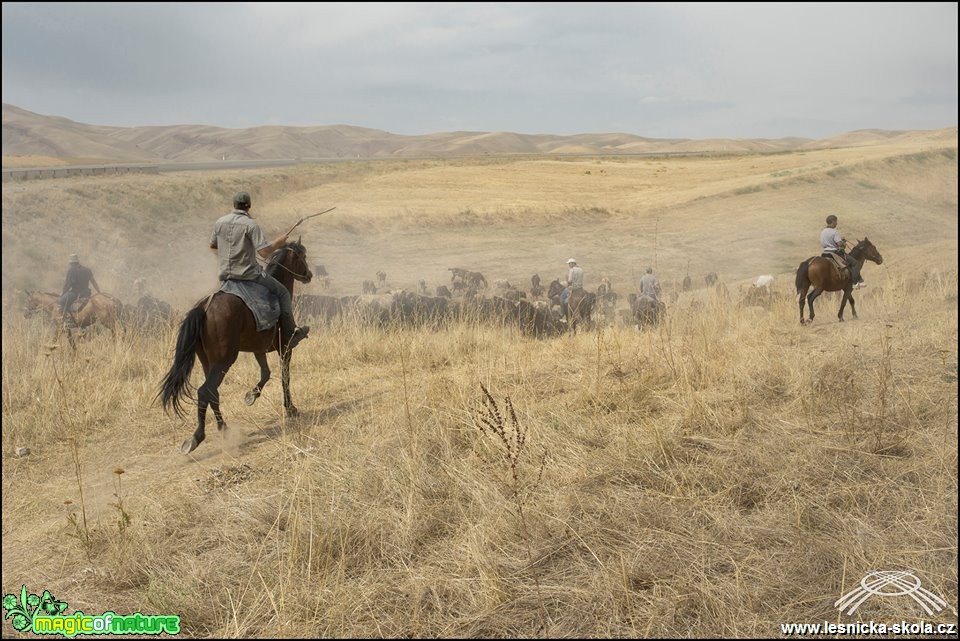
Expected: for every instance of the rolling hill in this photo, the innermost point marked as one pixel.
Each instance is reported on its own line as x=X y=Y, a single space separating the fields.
x=31 y=139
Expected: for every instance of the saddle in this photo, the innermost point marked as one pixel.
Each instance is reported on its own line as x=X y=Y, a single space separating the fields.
x=78 y=304
x=838 y=261
x=258 y=299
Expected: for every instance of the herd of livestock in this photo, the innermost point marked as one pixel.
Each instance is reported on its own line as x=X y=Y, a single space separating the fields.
x=468 y=298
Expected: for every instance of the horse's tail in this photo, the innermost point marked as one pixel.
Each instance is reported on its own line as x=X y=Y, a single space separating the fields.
x=803 y=277
x=177 y=381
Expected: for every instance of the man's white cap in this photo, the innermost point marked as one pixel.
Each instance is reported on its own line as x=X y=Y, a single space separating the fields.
x=570 y=260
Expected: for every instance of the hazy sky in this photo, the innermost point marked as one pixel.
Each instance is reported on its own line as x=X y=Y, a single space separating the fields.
x=659 y=70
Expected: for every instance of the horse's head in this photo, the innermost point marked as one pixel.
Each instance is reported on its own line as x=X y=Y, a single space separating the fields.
x=33 y=303
x=291 y=259
x=866 y=250
x=555 y=288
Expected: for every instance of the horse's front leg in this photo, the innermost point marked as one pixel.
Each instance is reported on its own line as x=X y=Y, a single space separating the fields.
x=64 y=329
x=252 y=396
x=848 y=296
x=285 y=380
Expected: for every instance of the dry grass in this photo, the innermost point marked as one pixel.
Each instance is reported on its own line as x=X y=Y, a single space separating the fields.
x=716 y=477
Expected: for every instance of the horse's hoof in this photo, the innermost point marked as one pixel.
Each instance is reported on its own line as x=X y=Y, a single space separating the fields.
x=189 y=445
x=251 y=397
x=292 y=412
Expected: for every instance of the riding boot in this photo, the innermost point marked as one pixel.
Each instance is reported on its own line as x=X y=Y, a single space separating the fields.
x=290 y=334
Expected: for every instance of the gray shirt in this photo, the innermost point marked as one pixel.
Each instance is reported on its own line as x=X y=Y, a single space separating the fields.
x=831 y=240
x=649 y=286
x=575 y=277
x=236 y=237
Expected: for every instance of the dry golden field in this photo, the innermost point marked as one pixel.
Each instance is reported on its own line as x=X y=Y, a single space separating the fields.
x=723 y=474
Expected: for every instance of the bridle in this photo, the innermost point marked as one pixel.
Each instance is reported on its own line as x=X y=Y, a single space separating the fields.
x=865 y=250
x=276 y=258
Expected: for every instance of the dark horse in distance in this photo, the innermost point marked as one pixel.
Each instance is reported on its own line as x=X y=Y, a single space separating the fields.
x=215 y=331
x=580 y=305
x=823 y=275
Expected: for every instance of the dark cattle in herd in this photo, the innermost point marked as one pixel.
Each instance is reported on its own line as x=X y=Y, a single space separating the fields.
x=320 y=272
x=466 y=278
x=535 y=289
x=325 y=308
x=150 y=313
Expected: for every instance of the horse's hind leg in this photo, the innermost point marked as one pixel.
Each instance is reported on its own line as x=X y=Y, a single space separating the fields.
x=252 y=396
x=215 y=385
x=207 y=395
x=812 y=297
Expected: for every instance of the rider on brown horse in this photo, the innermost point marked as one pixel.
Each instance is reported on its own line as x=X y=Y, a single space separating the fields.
x=574 y=281
x=76 y=287
x=833 y=243
x=238 y=240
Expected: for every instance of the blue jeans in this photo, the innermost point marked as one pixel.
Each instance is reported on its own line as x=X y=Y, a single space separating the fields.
x=281 y=292
x=68 y=299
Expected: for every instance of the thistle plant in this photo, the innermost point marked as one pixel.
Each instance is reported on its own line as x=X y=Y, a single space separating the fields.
x=512 y=438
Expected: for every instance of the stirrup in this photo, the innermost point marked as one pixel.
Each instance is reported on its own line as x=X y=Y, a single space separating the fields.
x=298 y=335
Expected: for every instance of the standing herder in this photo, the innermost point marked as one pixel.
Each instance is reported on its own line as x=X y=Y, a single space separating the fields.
x=238 y=241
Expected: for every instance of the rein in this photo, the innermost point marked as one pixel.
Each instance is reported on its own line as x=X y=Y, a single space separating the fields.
x=860 y=252
x=275 y=263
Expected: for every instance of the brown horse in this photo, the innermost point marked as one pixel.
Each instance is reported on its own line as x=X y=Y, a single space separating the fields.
x=647 y=311
x=823 y=275
x=580 y=306
x=100 y=308
x=215 y=331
